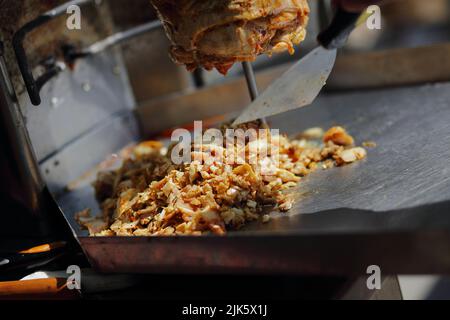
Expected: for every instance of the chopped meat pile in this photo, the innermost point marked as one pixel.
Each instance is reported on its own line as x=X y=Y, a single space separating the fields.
x=216 y=34
x=149 y=195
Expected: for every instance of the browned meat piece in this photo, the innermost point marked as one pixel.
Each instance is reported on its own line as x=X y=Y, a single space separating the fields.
x=216 y=34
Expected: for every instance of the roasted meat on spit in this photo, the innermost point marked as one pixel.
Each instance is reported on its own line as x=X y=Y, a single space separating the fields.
x=216 y=34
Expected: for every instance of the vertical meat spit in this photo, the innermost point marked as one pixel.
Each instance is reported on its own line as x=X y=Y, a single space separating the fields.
x=251 y=83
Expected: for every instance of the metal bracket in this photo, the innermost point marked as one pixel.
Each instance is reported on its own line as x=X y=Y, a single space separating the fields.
x=33 y=85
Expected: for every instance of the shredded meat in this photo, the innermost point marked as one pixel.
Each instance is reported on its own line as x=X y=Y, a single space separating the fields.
x=216 y=34
x=150 y=196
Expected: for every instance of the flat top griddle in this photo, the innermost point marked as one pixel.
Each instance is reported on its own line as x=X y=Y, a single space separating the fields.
x=392 y=209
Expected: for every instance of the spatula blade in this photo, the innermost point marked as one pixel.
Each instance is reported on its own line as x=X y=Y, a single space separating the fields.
x=296 y=88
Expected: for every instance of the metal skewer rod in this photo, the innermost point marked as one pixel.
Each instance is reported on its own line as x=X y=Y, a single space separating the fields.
x=251 y=83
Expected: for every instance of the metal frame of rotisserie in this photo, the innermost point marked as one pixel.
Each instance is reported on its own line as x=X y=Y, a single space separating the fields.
x=398 y=196
x=389 y=210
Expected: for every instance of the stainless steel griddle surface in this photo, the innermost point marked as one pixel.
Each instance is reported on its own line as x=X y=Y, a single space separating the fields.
x=410 y=165
x=390 y=209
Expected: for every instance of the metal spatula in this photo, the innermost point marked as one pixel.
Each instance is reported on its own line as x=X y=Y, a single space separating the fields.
x=301 y=84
